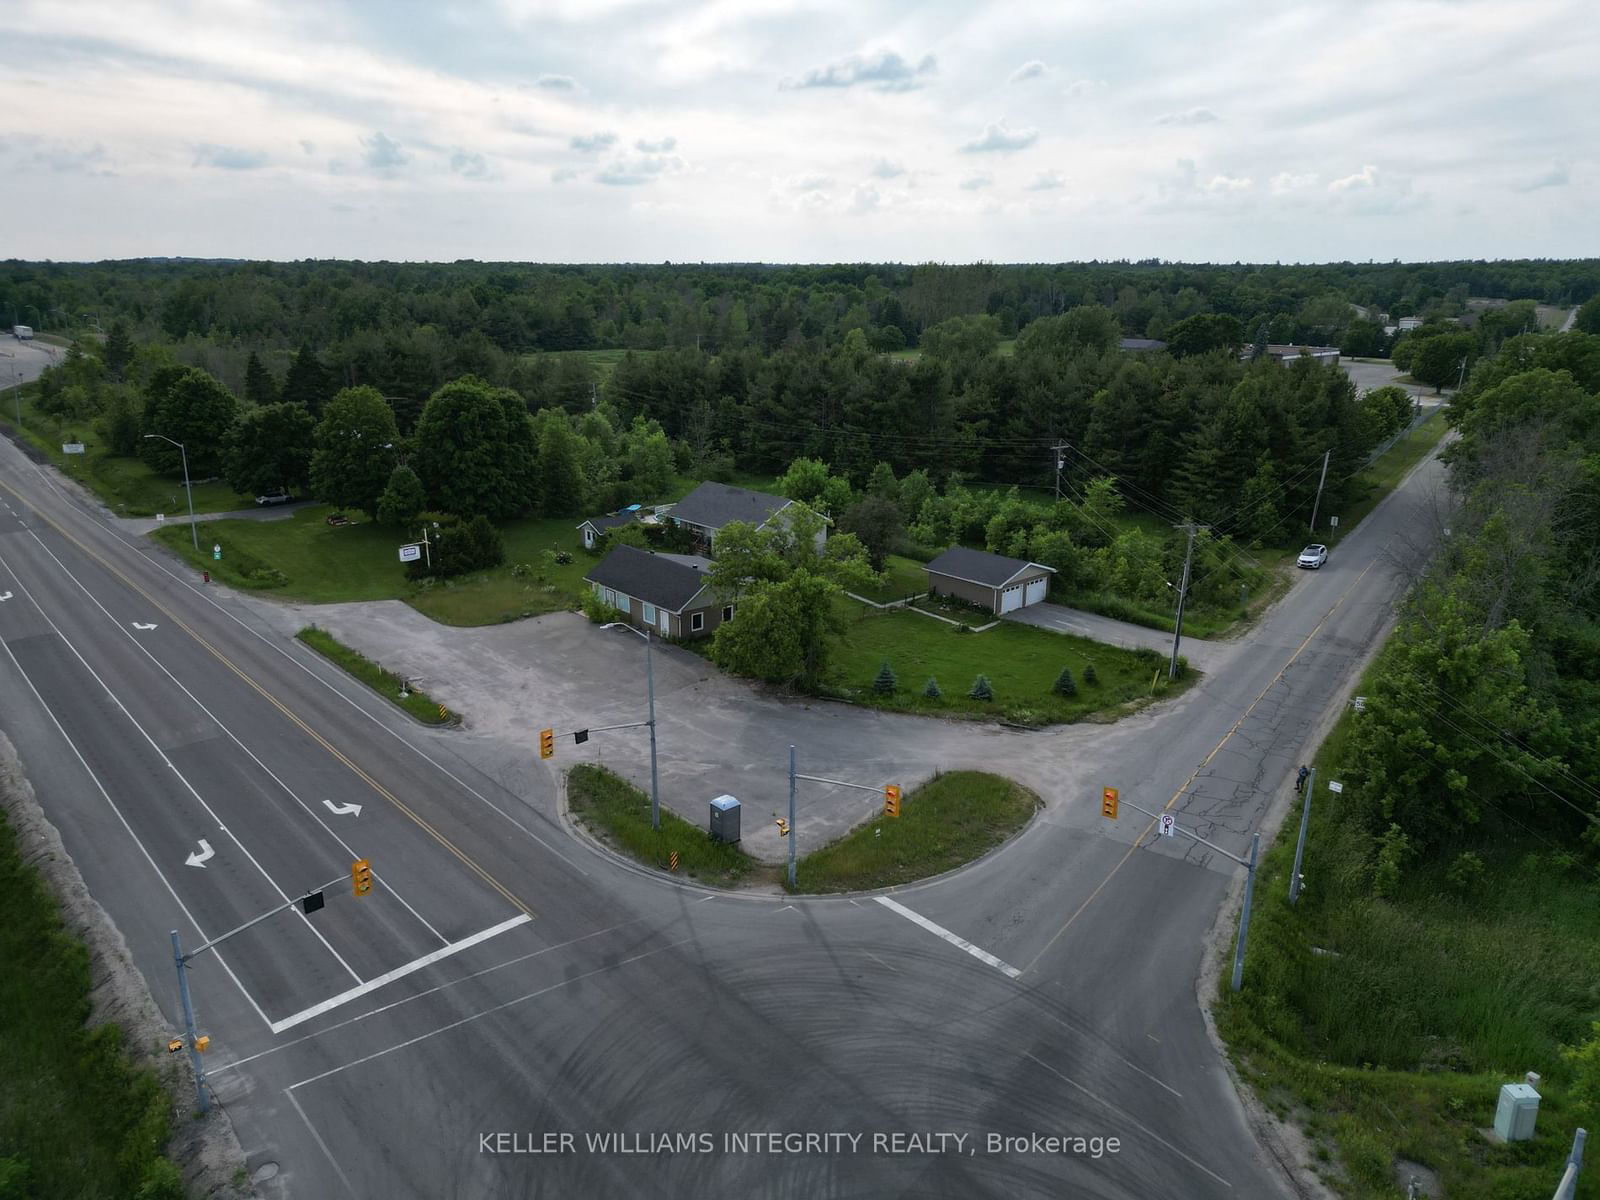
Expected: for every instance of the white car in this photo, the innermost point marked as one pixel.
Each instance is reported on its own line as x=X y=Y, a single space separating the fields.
x=278 y=497
x=1313 y=557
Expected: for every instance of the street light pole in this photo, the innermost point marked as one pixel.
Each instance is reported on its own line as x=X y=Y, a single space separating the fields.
x=650 y=684
x=194 y=533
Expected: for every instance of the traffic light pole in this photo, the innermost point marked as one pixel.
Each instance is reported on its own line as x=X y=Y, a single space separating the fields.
x=1300 y=846
x=181 y=961
x=793 y=777
x=1249 y=864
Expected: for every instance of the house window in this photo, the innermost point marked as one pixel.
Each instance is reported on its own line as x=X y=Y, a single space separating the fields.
x=665 y=621
x=649 y=613
x=610 y=597
x=622 y=604
x=727 y=612
x=697 y=622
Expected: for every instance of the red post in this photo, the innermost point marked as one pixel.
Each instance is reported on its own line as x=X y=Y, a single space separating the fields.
x=206 y=576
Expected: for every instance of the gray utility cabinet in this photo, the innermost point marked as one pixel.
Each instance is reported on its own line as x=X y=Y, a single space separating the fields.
x=724 y=823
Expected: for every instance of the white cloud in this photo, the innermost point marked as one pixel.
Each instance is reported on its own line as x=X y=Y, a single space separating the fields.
x=1367 y=177
x=1223 y=184
x=978 y=179
x=659 y=146
x=646 y=168
x=1028 y=70
x=1189 y=116
x=382 y=153
x=1046 y=181
x=996 y=137
x=1557 y=176
x=564 y=174
x=885 y=168
x=1079 y=88
x=884 y=71
x=228 y=158
x=1285 y=182
x=588 y=143
x=308 y=147
x=557 y=83
x=865 y=199
x=470 y=165
x=806 y=183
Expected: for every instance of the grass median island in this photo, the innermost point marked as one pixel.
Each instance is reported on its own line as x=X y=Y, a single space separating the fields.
x=77 y=1117
x=1385 y=1026
x=385 y=682
x=948 y=821
x=618 y=814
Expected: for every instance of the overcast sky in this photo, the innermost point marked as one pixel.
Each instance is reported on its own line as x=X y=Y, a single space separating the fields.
x=651 y=130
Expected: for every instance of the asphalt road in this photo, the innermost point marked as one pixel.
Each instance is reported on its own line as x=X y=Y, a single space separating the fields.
x=505 y=986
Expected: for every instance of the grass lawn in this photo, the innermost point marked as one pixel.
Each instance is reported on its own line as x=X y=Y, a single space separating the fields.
x=619 y=815
x=77 y=1118
x=305 y=558
x=950 y=820
x=128 y=487
x=1396 y=1044
x=385 y=683
x=903 y=577
x=1022 y=663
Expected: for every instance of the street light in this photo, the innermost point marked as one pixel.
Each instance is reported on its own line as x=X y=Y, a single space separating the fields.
x=189 y=491
x=650 y=683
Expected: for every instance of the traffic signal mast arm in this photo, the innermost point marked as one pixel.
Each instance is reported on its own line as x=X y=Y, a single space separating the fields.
x=1155 y=816
x=865 y=787
x=271 y=912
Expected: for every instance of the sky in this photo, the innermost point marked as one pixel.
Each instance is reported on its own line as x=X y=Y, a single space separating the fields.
x=770 y=130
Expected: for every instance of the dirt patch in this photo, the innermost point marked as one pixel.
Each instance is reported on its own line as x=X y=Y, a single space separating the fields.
x=205 y=1149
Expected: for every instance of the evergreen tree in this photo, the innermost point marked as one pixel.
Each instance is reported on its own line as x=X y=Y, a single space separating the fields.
x=931 y=689
x=1064 y=684
x=981 y=690
x=886 y=683
x=118 y=351
x=260 y=388
x=307 y=382
x=1089 y=675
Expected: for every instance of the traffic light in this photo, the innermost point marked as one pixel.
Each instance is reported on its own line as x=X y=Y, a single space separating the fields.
x=1108 y=803
x=547 y=743
x=783 y=827
x=361 y=876
x=891 y=799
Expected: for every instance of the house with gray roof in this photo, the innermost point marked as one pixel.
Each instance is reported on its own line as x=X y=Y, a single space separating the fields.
x=704 y=511
x=596 y=528
x=668 y=594
x=994 y=581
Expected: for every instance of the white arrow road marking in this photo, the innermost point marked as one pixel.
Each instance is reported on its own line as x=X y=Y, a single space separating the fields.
x=199 y=860
x=136 y=625
x=7 y=596
x=342 y=810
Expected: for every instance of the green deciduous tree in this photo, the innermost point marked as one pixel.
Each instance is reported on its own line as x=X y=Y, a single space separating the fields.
x=1204 y=332
x=271 y=448
x=560 y=477
x=191 y=407
x=462 y=448
x=877 y=523
x=355 y=450
x=402 y=500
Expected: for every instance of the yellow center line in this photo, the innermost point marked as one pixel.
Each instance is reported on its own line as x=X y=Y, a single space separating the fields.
x=1203 y=764
x=377 y=787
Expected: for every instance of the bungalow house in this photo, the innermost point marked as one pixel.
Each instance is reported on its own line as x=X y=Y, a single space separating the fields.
x=596 y=528
x=1289 y=354
x=994 y=581
x=704 y=511
x=667 y=594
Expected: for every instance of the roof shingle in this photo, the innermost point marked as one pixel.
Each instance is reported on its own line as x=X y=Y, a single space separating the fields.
x=668 y=583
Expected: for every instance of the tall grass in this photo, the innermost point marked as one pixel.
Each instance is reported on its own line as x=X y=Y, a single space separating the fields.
x=619 y=813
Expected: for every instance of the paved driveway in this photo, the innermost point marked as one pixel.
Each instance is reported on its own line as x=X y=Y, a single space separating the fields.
x=1202 y=654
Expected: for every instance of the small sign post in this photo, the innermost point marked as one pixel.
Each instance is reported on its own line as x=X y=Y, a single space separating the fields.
x=1168 y=824
x=216 y=551
x=72 y=447
x=411 y=553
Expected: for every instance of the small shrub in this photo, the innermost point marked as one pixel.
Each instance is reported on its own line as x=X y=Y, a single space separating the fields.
x=1465 y=875
x=981 y=689
x=521 y=570
x=1393 y=849
x=931 y=689
x=598 y=611
x=563 y=558
x=1089 y=675
x=885 y=683
x=1065 y=685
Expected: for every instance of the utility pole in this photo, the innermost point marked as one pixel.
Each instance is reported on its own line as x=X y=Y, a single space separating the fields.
x=793 y=836
x=1183 y=591
x=1057 y=451
x=1309 y=786
x=1244 y=913
x=191 y=1038
x=1324 y=479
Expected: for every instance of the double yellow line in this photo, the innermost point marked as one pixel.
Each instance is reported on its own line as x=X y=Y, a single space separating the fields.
x=461 y=855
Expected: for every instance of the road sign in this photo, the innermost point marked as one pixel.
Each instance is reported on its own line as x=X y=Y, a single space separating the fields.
x=1334 y=522
x=72 y=447
x=1168 y=824
x=1335 y=786
x=161 y=516
x=411 y=553
x=216 y=551
x=1360 y=703
x=312 y=903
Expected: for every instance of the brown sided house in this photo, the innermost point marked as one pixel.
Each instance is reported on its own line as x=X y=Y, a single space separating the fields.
x=997 y=583
x=596 y=528
x=667 y=594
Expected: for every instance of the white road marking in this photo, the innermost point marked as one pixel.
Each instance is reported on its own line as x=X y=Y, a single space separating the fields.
x=148 y=857
x=328 y=1154
x=5 y=596
x=200 y=860
x=416 y=964
x=172 y=766
x=489 y=1012
x=1145 y=1129
x=342 y=810
x=234 y=738
x=1132 y=1066
x=145 y=628
x=982 y=956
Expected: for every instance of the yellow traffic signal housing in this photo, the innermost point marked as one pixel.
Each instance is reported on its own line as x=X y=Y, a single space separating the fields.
x=783 y=827
x=1108 y=803
x=361 y=876
x=891 y=800
x=202 y=1043
x=174 y=1045
x=547 y=743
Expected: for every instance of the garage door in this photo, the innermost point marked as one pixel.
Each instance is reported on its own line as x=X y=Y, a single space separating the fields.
x=1037 y=588
x=1011 y=598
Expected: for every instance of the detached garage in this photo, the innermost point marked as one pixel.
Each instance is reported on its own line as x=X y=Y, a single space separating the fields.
x=994 y=581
